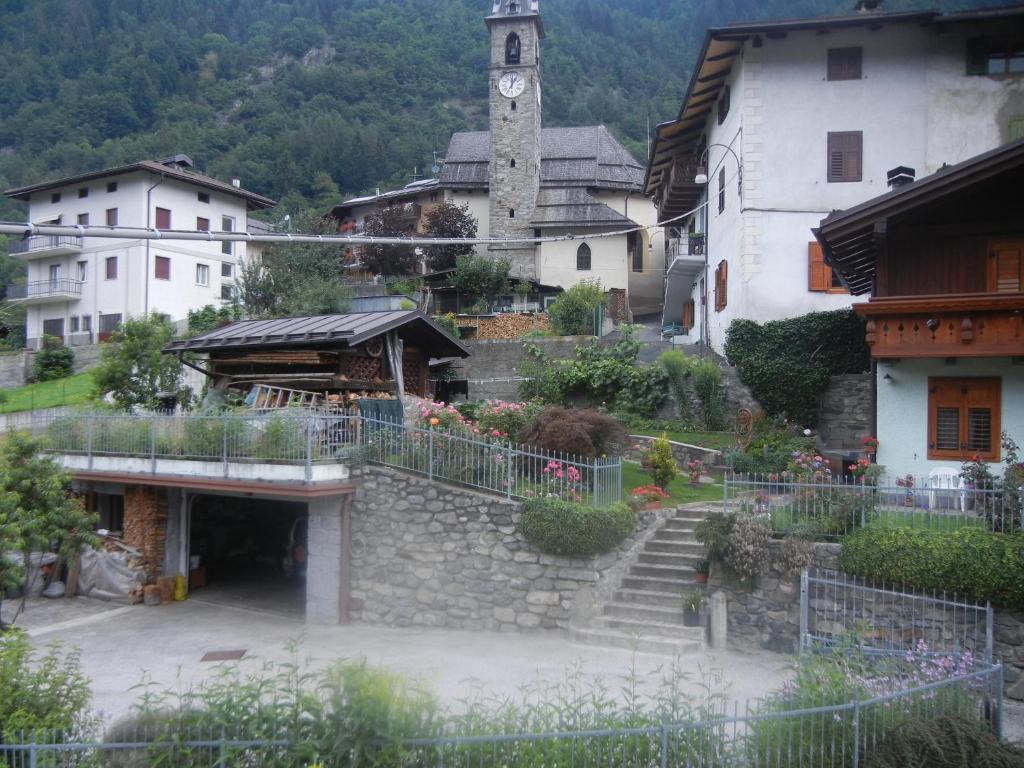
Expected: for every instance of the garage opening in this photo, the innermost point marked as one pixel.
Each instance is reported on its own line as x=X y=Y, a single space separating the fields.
x=249 y=553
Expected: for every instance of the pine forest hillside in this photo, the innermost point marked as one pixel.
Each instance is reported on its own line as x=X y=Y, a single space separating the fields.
x=306 y=100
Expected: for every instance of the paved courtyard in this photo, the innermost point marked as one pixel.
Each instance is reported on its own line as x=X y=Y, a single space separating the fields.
x=168 y=642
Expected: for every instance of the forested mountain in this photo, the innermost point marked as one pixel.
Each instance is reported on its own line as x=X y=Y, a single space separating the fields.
x=307 y=99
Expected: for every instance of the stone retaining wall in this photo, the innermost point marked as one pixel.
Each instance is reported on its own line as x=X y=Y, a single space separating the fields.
x=425 y=554
x=683 y=452
x=16 y=368
x=844 y=416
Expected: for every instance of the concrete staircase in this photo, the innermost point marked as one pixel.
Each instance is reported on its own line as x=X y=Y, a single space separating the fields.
x=646 y=611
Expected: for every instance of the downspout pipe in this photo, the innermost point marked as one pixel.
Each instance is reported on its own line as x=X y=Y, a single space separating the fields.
x=149 y=225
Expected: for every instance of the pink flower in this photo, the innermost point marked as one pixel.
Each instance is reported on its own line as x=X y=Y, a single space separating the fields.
x=495 y=433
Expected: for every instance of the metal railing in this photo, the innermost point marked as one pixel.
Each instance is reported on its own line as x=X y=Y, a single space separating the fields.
x=308 y=436
x=836 y=608
x=43 y=243
x=766 y=734
x=691 y=245
x=832 y=508
x=42 y=288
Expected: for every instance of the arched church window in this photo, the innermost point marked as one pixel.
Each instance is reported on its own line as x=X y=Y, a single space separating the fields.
x=511 y=213
x=513 y=106
x=513 y=48
x=583 y=258
x=512 y=163
x=513 y=6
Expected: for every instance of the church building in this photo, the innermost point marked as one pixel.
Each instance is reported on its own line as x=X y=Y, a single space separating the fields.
x=524 y=181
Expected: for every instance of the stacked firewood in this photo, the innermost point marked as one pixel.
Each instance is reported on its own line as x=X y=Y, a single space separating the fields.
x=503 y=326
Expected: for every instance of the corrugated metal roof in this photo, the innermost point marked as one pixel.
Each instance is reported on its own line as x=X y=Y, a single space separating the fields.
x=347 y=330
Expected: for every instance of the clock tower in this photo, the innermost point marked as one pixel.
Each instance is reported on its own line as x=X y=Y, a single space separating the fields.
x=515 y=132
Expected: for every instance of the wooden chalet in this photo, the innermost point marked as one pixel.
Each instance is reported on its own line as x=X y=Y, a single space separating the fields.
x=324 y=359
x=942 y=259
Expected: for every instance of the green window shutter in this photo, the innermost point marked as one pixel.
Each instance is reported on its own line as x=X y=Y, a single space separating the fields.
x=1016 y=128
x=977 y=57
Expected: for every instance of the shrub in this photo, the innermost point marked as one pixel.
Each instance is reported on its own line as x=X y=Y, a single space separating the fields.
x=53 y=360
x=943 y=742
x=133 y=367
x=507 y=419
x=447 y=323
x=971 y=561
x=563 y=528
x=582 y=432
x=661 y=462
x=787 y=363
x=796 y=554
x=441 y=416
x=707 y=383
x=677 y=371
x=747 y=553
x=572 y=313
x=210 y=317
x=481 y=279
x=713 y=532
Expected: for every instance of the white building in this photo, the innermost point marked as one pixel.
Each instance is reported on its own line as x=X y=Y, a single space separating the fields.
x=80 y=288
x=791 y=120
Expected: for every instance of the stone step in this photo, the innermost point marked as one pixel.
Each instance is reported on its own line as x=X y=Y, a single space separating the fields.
x=662 y=596
x=680 y=524
x=667 y=646
x=677 y=584
x=648 y=628
x=667 y=534
x=671 y=559
x=663 y=614
x=674 y=545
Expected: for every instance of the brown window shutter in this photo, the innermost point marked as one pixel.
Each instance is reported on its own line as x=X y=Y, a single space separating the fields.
x=964 y=418
x=1006 y=263
x=162 y=268
x=845 y=156
x=202 y=224
x=819 y=275
x=722 y=286
x=163 y=218
x=688 y=308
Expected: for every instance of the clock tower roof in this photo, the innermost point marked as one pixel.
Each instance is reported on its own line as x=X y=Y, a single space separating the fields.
x=509 y=10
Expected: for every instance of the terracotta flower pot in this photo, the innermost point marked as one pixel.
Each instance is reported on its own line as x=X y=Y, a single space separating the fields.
x=652 y=505
x=700 y=578
x=695 y=478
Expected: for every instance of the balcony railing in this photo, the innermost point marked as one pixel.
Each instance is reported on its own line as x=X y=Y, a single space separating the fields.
x=47 y=243
x=692 y=245
x=42 y=289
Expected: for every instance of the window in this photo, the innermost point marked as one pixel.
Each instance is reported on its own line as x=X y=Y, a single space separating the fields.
x=55 y=197
x=83 y=192
x=204 y=197
x=820 y=276
x=74 y=323
x=227 y=224
x=512 y=105
x=112 y=187
x=108 y=324
x=202 y=274
x=583 y=258
x=513 y=49
x=86 y=323
x=1006 y=263
x=83 y=219
x=1016 y=128
x=203 y=225
x=226 y=292
x=995 y=57
x=55 y=328
x=54 y=273
x=511 y=213
x=512 y=163
x=635 y=243
x=162 y=268
x=721 y=286
x=111 y=217
x=963 y=418
x=227 y=269
x=723 y=104
x=721 y=190
x=688 y=312
x=845 y=150
x=111 y=267
x=81 y=271
x=163 y=218
x=845 y=63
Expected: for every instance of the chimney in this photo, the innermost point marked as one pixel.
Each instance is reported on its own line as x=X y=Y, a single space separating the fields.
x=900 y=176
x=868 y=6
x=236 y=183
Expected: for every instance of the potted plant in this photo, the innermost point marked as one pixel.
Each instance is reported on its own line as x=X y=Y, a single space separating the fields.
x=691 y=608
x=908 y=483
x=647 y=497
x=870 y=444
x=701 y=570
x=696 y=469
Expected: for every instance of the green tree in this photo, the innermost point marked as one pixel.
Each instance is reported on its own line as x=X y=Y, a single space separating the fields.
x=132 y=368
x=481 y=278
x=573 y=313
x=447 y=219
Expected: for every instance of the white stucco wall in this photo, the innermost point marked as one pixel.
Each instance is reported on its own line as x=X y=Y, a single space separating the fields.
x=903 y=408
x=556 y=262
x=479 y=207
x=135 y=290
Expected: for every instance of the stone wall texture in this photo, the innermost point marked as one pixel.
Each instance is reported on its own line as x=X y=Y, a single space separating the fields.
x=16 y=367
x=845 y=413
x=431 y=555
x=145 y=525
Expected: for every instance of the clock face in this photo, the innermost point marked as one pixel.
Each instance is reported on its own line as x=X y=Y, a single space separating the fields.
x=511 y=84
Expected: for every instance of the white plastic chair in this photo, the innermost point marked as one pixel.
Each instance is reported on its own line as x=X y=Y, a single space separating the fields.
x=948 y=479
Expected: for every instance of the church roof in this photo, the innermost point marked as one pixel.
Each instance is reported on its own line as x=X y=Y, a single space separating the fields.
x=574 y=207
x=585 y=156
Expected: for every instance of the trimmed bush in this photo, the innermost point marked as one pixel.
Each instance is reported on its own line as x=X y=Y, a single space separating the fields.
x=572 y=313
x=661 y=462
x=52 y=361
x=943 y=742
x=562 y=528
x=970 y=562
x=582 y=432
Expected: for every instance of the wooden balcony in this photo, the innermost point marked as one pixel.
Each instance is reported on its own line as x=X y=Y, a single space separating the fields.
x=961 y=325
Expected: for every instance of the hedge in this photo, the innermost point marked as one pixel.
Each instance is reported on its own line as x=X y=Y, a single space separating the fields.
x=788 y=363
x=970 y=562
x=562 y=528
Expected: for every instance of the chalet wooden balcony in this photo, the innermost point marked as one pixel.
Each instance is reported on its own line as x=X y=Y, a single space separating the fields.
x=679 y=193
x=960 y=325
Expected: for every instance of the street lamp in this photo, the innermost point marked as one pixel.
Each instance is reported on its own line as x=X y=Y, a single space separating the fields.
x=702 y=179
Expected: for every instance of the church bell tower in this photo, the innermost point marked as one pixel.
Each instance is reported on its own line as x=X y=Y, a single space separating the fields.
x=515 y=128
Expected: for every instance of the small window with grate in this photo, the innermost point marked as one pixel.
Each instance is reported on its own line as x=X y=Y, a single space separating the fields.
x=845 y=63
x=963 y=418
x=845 y=153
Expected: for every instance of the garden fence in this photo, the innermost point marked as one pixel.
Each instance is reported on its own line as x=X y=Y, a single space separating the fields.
x=836 y=507
x=310 y=436
x=822 y=734
x=836 y=608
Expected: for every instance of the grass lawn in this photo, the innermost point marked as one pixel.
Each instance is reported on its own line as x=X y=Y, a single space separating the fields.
x=784 y=520
x=74 y=390
x=679 y=490
x=715 y=440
